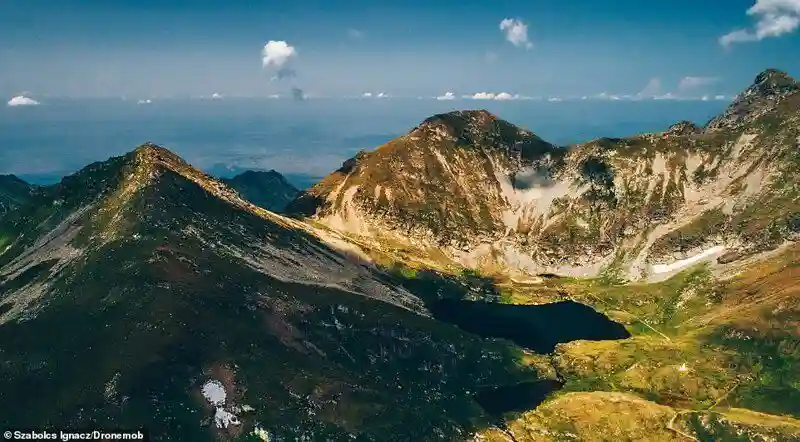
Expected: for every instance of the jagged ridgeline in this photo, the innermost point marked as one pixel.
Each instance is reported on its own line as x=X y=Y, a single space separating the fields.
x=493 y=196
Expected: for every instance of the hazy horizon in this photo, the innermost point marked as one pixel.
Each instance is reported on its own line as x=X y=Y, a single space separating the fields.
x=302 y=140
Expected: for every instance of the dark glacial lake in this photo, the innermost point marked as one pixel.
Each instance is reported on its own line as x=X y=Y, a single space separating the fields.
x=536 y=327
x=520 y=397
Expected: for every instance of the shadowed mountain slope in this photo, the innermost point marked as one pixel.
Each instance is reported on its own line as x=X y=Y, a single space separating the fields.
x=132 y=286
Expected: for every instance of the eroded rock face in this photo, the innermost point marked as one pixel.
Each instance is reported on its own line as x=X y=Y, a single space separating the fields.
x=487 y=193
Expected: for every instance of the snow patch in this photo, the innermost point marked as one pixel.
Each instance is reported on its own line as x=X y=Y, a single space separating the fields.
x=224 y=418
x=214 y=392
x=677 y=265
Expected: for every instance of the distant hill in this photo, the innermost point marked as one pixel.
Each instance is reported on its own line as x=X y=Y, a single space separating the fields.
x=269 y=189
x=13 y=192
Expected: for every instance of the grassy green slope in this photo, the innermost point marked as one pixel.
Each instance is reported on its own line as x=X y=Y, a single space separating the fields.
x=706 y=357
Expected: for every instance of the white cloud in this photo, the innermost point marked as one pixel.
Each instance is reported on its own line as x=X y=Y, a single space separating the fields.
x=516 y=32
x=688 y=83
x=492 y=96
x=355 y=33
x=607 y=96
x=667 y=96
x=482 y=96
x=447 y=96
x=217 y=96
x=612 y=97
x=652 y=88
x=276 y=54
x=774 y=18
x=147 y=101
x=720 y=97
x=21 y=100
x=554 y=99
x=374 y=95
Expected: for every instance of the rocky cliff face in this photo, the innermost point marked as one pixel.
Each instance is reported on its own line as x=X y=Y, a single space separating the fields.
x=489 y=194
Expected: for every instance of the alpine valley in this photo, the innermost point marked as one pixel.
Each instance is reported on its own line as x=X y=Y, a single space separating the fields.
x=466 y=281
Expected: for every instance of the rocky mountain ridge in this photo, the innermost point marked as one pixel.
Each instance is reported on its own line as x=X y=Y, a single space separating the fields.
x=492 y=196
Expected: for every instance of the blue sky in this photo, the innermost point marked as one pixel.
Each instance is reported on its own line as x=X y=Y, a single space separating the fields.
x=150 y=48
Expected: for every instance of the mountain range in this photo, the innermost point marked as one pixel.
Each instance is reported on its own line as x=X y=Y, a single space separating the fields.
x=495 y=197
x=466 y=281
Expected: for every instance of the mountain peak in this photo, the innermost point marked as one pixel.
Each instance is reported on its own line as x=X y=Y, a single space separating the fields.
x=479 y=128
x=152 y=153
x=769 y=87
x=469 y=115
x=457 y=122
x=773 y=81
